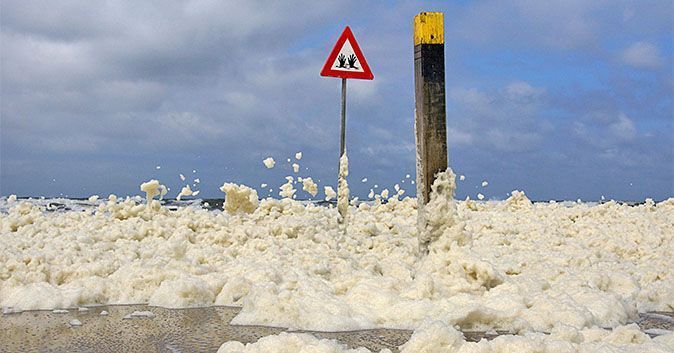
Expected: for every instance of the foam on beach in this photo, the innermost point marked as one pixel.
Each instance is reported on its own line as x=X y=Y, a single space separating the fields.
x=513 y=265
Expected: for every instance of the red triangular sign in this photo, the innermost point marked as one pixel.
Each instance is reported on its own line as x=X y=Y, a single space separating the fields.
x=346 y=60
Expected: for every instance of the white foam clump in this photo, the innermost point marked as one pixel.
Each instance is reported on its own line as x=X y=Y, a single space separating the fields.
x=183 y=292
x=269 y=162
x=290 y=343
x=288 y=189
x=150 y=188
x=298 y=155
x=343 y=186
x=505 y=265
x=518 y=201
x=93 y=198
x=309 y=186
x=439 y=337
x=239 y=198
x=485 y=183
x=329 y=193
x=153 y=188
x=184 y=192
x=296 y=168
x=137 y=314
x=399 y=191
x=142 y=313
x=462 y=177
x=439 y=217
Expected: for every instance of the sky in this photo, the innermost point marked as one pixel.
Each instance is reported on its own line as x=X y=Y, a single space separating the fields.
x=562 y=99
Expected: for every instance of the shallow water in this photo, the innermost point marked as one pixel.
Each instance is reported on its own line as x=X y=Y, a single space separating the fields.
x=187 y=330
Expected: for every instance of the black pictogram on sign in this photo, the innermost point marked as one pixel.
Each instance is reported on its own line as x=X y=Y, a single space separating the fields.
x=342 y=62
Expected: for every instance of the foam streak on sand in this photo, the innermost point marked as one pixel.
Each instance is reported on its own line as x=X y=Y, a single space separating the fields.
x=510 y=265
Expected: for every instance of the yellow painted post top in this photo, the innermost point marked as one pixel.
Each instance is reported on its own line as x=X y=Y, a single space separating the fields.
x=429 y=28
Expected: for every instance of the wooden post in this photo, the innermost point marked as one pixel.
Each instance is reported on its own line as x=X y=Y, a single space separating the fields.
x=429 y=117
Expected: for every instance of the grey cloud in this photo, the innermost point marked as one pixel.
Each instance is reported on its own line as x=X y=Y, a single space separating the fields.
x=616 y=139
x=61 y=21
x=567 y=24
x=507 y=119
x=110 y=61
x=606 y=131
x=642 y=55
x=623 y=128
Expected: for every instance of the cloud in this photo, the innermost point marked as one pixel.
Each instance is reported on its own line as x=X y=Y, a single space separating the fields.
x=520 y=90
x=456 y=137
x=507 y=119
x=613 y=137
x=559 y=25
x=606 y=130
x=121 y=65
x=554 y=25
x=642 y=55
x=623 y=128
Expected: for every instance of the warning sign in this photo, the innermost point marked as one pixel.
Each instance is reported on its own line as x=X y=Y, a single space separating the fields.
x=346 y=60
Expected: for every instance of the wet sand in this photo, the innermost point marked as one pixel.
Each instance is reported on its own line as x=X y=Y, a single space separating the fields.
x=185 y=330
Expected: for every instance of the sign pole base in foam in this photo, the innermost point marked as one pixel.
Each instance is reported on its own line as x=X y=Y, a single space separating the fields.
x=346 y=60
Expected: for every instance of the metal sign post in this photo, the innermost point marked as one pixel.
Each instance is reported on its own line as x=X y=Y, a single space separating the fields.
x=342 y=136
